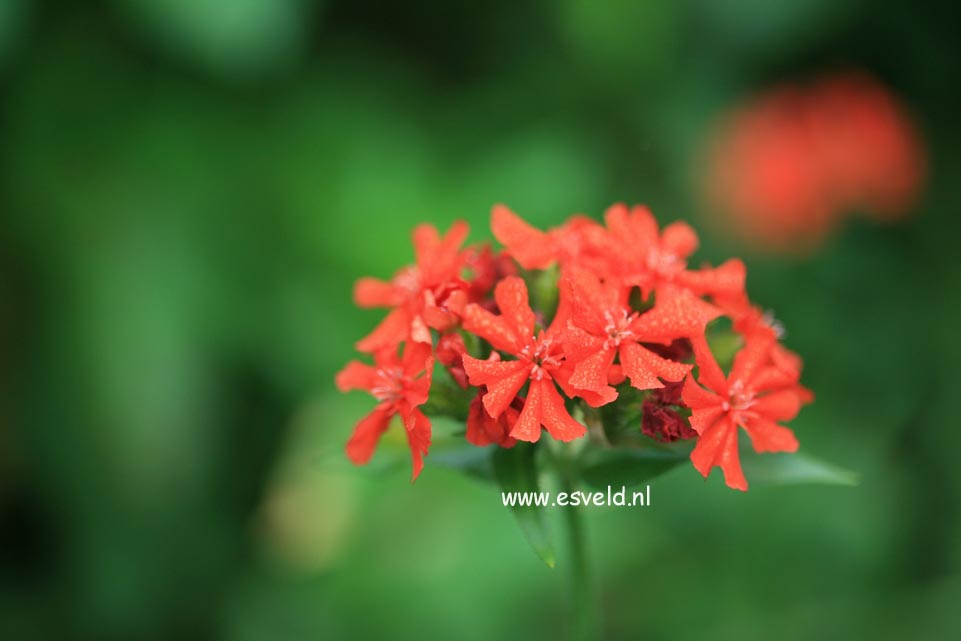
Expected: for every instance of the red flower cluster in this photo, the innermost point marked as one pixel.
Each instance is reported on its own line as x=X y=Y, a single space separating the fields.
x=788 y=165
x=629 y=312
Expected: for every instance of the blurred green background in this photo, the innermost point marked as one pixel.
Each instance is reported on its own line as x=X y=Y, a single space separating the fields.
x=190 y=188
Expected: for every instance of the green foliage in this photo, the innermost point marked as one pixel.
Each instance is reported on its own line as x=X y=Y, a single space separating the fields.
x=516 y=472
x=233 y=37
x=628 y=468
x=788 y=469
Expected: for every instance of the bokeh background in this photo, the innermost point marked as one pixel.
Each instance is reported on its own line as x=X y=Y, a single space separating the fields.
x=188 y=190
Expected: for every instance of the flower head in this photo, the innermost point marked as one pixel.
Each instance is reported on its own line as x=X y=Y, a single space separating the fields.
x=755 y=396
x=539 y=358
x=630 y=311
x=785 y=167
x=483 y=429
x=418 y=294
x=401 y=386
x=604 y=327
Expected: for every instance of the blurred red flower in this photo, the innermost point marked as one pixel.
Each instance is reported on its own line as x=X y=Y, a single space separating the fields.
x=785 y=167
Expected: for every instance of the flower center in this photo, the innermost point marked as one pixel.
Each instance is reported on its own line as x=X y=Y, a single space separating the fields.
x=389 y=384
x=776 y=326
x=664 y=263
x=408 y=279
x=539 y=353
x=740 y=401
x=617 y=327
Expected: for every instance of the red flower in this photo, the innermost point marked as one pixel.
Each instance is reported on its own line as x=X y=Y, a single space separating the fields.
x=604 y=327
x=763 y=174
x=401 y=385
x=486 y=268
x=785 y=167
x=539 y=360
x=419 y=293
x=450 y=353
x=580 y=240
x=596 y=341
x=752 y=320
x=872 y=154
x=755 y=396
x=483 y=429
x=630 y=248
x=664 y=423
x=642 y=256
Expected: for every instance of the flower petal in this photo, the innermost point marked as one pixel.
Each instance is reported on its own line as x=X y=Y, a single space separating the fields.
x=696 y=397
x=477 y=423
x=590 y=373
x=703 y=419
x=501 y=393
x=528 y=425
x=634 y=229
x=438 y=318
x=561 y=323
x=588 y=302
x=503 y=379
x=484 y=372
x=679 y=239
x=709 y=372
x=787 y=361
x=554 y=415
x=754 y=355
x=391 y=332
x=644 y=367
x=768 y=436
x=368 y=431
x=529 y=246
x=426 y=240
x=492 y=328
x=603 y=396
x=511 y=297
x=440 y=258
x=717 y=447
x=725 y=280
x=417 y=358
x=418 y=439
x=677 y=313
x=579 y=344
x=373 y=292
x=782 y=405
x=356 y=375
x=483 y=430
x=771 y=378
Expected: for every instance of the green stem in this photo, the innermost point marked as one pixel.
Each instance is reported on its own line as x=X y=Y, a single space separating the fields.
x=583 y=606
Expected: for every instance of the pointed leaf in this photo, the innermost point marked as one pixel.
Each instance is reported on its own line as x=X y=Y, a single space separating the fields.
x=628 y=468
x=516 y=472
x=470 y=460
x=794 y=469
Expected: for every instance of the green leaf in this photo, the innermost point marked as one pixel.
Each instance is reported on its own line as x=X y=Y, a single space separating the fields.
x=468 y=459
x=627 y=467
x=447 y=400
x=516 y=471
x=450 y=449
x=794 y=469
